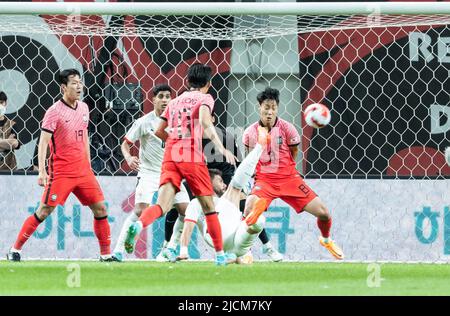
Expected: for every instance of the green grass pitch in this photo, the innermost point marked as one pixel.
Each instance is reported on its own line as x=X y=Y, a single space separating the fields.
x=205 y=279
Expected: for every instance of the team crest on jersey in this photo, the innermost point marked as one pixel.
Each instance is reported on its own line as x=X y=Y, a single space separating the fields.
x=256 y=188
x=280 y=140
x=54 y=197
x=85 y=119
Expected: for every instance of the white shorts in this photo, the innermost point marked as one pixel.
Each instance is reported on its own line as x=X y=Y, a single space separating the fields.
x=147 y=188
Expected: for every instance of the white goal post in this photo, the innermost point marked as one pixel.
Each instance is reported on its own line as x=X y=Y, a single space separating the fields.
x=381 y=67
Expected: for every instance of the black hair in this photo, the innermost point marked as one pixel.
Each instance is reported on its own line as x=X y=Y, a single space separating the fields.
x=3 y=96
x=66 y=73
x=199 y=75
x=161 y=87
x=214 y=172
x=268 y=94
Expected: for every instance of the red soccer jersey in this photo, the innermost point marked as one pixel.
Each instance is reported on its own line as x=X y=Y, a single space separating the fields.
x=68 y=157
x=185 y=131
x=276 y=162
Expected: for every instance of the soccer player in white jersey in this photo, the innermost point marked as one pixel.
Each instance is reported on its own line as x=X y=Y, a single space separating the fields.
x=238 y=234
x=148 y=164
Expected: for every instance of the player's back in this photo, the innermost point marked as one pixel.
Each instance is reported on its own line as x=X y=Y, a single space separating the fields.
x=184 y=128
x=68 y=156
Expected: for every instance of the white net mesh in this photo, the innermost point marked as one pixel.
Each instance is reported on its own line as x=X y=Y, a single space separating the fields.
x=240 y=27
x=384 y=77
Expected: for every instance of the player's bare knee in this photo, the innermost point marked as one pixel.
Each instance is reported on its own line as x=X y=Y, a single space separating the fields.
x=139 y=208
x=323 y=213
x=99 y=210
x=44 y=211
x=207 y=204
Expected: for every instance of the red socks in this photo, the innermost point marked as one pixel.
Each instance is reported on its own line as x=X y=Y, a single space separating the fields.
x=214 y=230
x=103 y=233
x=324 y=227
x=28 y=228
x=150 y=214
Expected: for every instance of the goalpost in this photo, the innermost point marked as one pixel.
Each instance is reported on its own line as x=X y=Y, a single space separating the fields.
x=382 y=69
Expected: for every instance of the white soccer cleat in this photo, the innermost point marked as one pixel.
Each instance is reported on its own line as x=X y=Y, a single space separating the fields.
x=160 y=257
x=274 y=255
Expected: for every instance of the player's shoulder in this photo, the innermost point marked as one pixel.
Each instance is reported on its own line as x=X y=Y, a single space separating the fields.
x=55 y=108
x=252 y=128
x=146 y=118
x=82 y=105
x=284 y=123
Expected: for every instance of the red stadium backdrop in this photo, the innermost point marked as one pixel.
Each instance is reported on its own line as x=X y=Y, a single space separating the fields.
x=380 y=127
x=380 y=101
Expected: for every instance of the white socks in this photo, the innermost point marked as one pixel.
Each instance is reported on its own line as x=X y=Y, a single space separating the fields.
x=120 y=247
x=176 y=234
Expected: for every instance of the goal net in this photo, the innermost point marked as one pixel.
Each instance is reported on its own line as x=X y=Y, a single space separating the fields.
x=382 y=69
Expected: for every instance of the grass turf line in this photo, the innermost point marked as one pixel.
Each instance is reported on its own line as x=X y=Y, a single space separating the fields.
x=205 y=279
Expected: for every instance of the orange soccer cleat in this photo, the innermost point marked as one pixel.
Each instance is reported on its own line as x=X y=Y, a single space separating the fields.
x=332 y=248
x=258 y=208
x=263 y=136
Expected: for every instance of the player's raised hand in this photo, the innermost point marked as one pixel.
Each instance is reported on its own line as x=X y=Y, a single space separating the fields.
x=133 y=162
x=43 y=178
x=231 y=159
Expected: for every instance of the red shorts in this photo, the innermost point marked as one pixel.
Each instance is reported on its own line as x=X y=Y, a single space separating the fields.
x=86 y=189
x=196 y=175
x=294 y=191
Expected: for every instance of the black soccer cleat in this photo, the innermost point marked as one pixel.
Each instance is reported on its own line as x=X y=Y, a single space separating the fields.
x=13 y=256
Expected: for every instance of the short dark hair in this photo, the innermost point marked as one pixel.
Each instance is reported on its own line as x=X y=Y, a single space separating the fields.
x=268 y=94
x=199 y=75
x=214 y=172
x=3 y=96
x=161 y=87
x=66 y=73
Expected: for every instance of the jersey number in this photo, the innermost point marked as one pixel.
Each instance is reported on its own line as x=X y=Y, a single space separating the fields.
x=79 y=135
x=181 y=122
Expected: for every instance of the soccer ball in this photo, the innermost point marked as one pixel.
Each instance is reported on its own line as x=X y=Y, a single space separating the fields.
x=317 y=115
x=447 y=155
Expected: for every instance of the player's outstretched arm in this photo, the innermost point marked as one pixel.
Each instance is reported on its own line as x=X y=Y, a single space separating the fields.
x=294 y=151
x=211 y=133
x=161 y=131
x=87 y=149
x=132 y=161
x=44 y=139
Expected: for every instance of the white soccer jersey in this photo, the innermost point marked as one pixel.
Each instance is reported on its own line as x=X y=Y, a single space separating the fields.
x=229 y=217
x=151 y=149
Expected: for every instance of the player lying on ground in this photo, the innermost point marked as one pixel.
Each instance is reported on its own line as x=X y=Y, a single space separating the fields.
x=187 y=119
x=69 y=170
x=238 y=234
x=148 y=165
x=276 y=174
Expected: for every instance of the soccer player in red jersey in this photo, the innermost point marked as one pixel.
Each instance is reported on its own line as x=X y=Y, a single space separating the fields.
x=187 y=118
x=276 y=175
x=64 y=131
